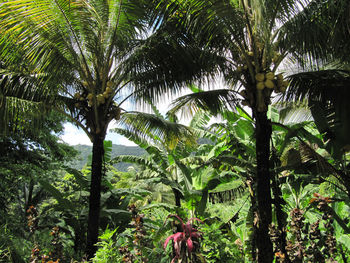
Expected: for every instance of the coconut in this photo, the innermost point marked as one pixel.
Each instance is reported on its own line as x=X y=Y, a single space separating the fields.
x=269 y=84
x=270 y=75
x=100 y=99
x=279 y=77
x=90 y=96
x=109 y=84
x=260 y=85
x=106 y=95
x=260 y=77
x=77 y=96
x=109 y=90
x=250 y=53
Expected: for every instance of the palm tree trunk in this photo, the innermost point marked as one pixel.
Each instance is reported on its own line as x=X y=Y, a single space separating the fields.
x=263 y=135
x=95 y=195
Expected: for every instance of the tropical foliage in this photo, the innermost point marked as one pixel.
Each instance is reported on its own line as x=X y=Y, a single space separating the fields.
x=260 y=172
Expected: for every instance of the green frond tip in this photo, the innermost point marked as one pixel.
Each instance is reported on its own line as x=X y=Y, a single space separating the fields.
x=151 y=127
x=213 y=101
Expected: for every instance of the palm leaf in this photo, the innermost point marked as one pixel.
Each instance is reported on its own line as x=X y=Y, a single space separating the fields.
x=293 y=112
x=325 y=29
x=327 y=92
x=22 y=103
x=141 y=161
x=214 y=101
x=157 y=128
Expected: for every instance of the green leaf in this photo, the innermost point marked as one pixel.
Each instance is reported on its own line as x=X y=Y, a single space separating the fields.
x=107 y=145
x=79 y=177
x=167 y=207
x=273 y=114
x=62 y=201
x=345 y=240
x=202 y=204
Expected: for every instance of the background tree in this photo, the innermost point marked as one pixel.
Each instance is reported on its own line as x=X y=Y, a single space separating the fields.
x=26 y=158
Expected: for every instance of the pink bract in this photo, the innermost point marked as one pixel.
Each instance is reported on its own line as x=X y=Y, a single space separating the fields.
x=188 y=232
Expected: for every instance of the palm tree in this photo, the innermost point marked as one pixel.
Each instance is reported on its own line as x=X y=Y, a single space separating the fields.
x=85 y=59
x=252 y=36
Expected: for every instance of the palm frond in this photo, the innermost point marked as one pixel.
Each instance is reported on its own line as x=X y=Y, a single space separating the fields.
x=200 y=120
x=293 y=112
x=18 y=115
x=140 y=141
x=213 y=101
x=153 y=67
x=156 y=128
x=327 y=92
x=321 y=85
x=323 y=166
x=22 y=103
x=155 y=153
x=325 y=27
x=141 y=161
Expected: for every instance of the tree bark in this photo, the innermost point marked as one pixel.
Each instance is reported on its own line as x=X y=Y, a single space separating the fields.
x=263 y=136
x=95 y=195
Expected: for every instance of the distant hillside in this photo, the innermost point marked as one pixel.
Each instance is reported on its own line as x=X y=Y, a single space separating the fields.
x=86 y=150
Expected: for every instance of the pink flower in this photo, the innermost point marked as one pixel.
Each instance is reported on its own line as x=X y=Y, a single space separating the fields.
x=188 y=233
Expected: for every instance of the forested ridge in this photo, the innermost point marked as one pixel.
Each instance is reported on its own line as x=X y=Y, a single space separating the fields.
x=85 y=150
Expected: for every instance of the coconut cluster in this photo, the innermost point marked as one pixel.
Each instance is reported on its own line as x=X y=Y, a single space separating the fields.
x=266 y=83
x=100 y=98
x=78 y=97
x=270 y=81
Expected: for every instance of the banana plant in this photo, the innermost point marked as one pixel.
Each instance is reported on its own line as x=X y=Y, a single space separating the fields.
x=175 y=159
